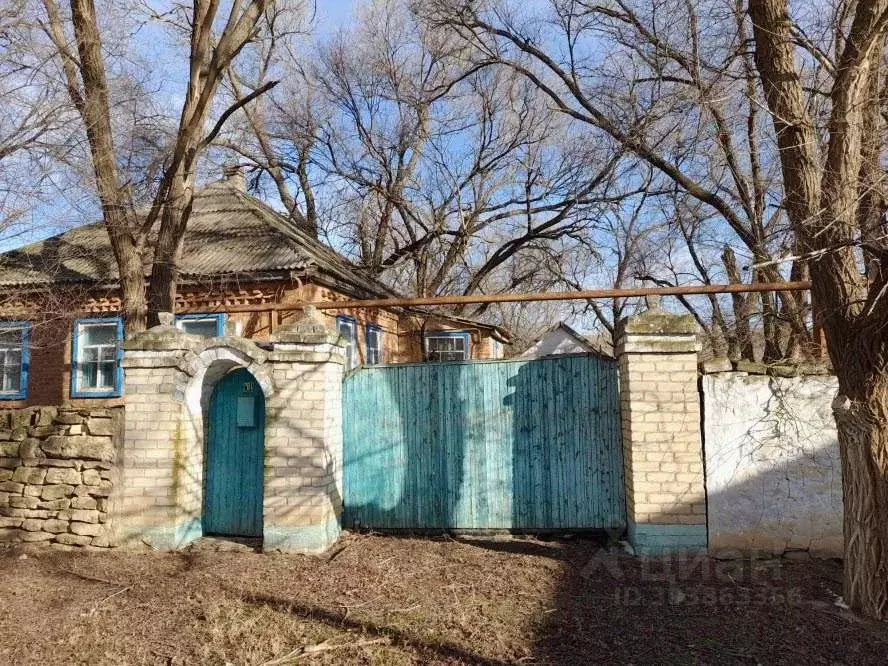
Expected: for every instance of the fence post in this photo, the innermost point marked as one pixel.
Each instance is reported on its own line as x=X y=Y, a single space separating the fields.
x=303 y=466
x=660 y=414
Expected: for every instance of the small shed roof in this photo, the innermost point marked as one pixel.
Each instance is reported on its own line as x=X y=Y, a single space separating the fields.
x=562 y=339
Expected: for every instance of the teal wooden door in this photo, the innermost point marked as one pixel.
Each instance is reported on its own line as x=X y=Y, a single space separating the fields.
x=519 y=445
x=234 y=457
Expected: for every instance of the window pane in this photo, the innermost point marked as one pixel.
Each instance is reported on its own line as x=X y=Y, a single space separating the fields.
x=446 y=348
x=97 y=356
x=10 y=338
x=347 y=330
x=88 y=375
x=206 y=328
x=10 y=380
x=106 y=374
x=10 y=360
x=99 y=334
x=374 y=346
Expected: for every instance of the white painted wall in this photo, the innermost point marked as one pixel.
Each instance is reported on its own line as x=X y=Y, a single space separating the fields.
x=558 y=341
x=773 y=474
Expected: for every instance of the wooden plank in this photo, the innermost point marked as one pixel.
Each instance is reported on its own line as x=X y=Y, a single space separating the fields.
x=233 y=470
x=486 y=445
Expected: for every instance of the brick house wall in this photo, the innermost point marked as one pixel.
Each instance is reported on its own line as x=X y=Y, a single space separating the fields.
x=52 y=315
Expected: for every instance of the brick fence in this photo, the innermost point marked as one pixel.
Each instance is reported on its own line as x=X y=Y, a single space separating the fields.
x=169 y=378
x=662 y=451
x=90 y=477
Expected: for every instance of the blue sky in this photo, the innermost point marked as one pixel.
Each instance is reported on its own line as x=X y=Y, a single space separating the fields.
x=67 y=205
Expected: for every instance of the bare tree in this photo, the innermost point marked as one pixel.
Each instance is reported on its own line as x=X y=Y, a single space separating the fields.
x=278 y=132
x=835 y=200
x=211 y=51
x=825 y=106
x=684 y=100
x=33 y=119
x=437 y=174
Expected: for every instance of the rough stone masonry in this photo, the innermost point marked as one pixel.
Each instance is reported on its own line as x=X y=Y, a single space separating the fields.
x=57 y=475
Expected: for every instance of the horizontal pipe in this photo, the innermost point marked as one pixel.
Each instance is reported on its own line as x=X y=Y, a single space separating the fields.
x=496 y=298
x=561 y=295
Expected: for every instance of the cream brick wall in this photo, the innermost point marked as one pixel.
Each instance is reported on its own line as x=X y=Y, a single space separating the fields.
x=303 y=445
x=169 y=378
x=151 y=467
x=660 y=408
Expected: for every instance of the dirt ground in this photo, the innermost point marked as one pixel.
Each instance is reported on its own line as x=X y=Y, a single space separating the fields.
x=390 y=600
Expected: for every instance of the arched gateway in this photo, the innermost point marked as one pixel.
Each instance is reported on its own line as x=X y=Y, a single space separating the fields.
x=232 y=498
x=224 y=437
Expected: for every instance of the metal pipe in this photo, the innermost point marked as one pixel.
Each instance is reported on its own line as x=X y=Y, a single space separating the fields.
x=511 y=298
x=562 y=295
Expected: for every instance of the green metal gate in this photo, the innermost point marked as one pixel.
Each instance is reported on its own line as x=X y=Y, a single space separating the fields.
x=521 y=445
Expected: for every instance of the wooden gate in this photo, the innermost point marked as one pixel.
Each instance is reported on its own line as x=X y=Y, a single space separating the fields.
x=233 y=489
x=520 y=445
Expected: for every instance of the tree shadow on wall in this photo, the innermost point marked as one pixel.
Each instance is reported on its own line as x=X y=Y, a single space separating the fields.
x=405 y=429
x=519 y=446
x=730 y=606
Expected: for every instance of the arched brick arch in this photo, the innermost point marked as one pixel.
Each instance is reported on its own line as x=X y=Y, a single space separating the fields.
x=169 y=379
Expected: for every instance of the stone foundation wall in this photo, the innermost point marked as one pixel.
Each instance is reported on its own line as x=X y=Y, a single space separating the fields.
x=58 y=475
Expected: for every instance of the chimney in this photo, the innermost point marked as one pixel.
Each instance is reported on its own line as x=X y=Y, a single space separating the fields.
x=233 y=175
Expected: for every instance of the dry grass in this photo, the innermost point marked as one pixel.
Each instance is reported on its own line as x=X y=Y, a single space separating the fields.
x=386 y=600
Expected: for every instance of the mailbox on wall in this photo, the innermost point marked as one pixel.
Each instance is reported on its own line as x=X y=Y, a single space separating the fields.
x=246 y=407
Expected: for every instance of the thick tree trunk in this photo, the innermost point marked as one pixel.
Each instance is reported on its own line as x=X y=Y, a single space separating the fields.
x=823 y=204
x=94 y=108
x=165 y=267
x=133 y=305
x=162 y=289
x=861 y=412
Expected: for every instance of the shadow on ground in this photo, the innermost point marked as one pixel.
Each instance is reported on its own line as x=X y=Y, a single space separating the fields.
x=384 y=600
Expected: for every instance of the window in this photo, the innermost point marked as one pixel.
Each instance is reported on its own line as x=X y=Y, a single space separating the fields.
x=204 y=325
x=15 y=337
x=348 y=330
x=374 y=344
x=95 y=367
x=447 y=346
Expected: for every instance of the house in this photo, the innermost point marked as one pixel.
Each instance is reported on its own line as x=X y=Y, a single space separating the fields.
x=245 y=270
x=562 y=339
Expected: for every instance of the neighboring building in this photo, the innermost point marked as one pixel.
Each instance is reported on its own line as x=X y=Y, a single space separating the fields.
x=244 y=268
x=562 y=339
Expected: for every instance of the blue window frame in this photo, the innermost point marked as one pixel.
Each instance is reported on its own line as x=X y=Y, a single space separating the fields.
x=447 y=346
x=348 y=329
x=210 y=325
x=373 y=338
x=96 y=353
x=15 y=359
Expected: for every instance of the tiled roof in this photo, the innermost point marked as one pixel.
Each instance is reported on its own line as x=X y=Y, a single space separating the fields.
x=229 y=232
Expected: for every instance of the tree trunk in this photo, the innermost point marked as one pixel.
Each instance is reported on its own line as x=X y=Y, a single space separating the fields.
x=94 y=109
x=742 y=347
x=861 y=413
x=165 y=267
x=133 y=305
